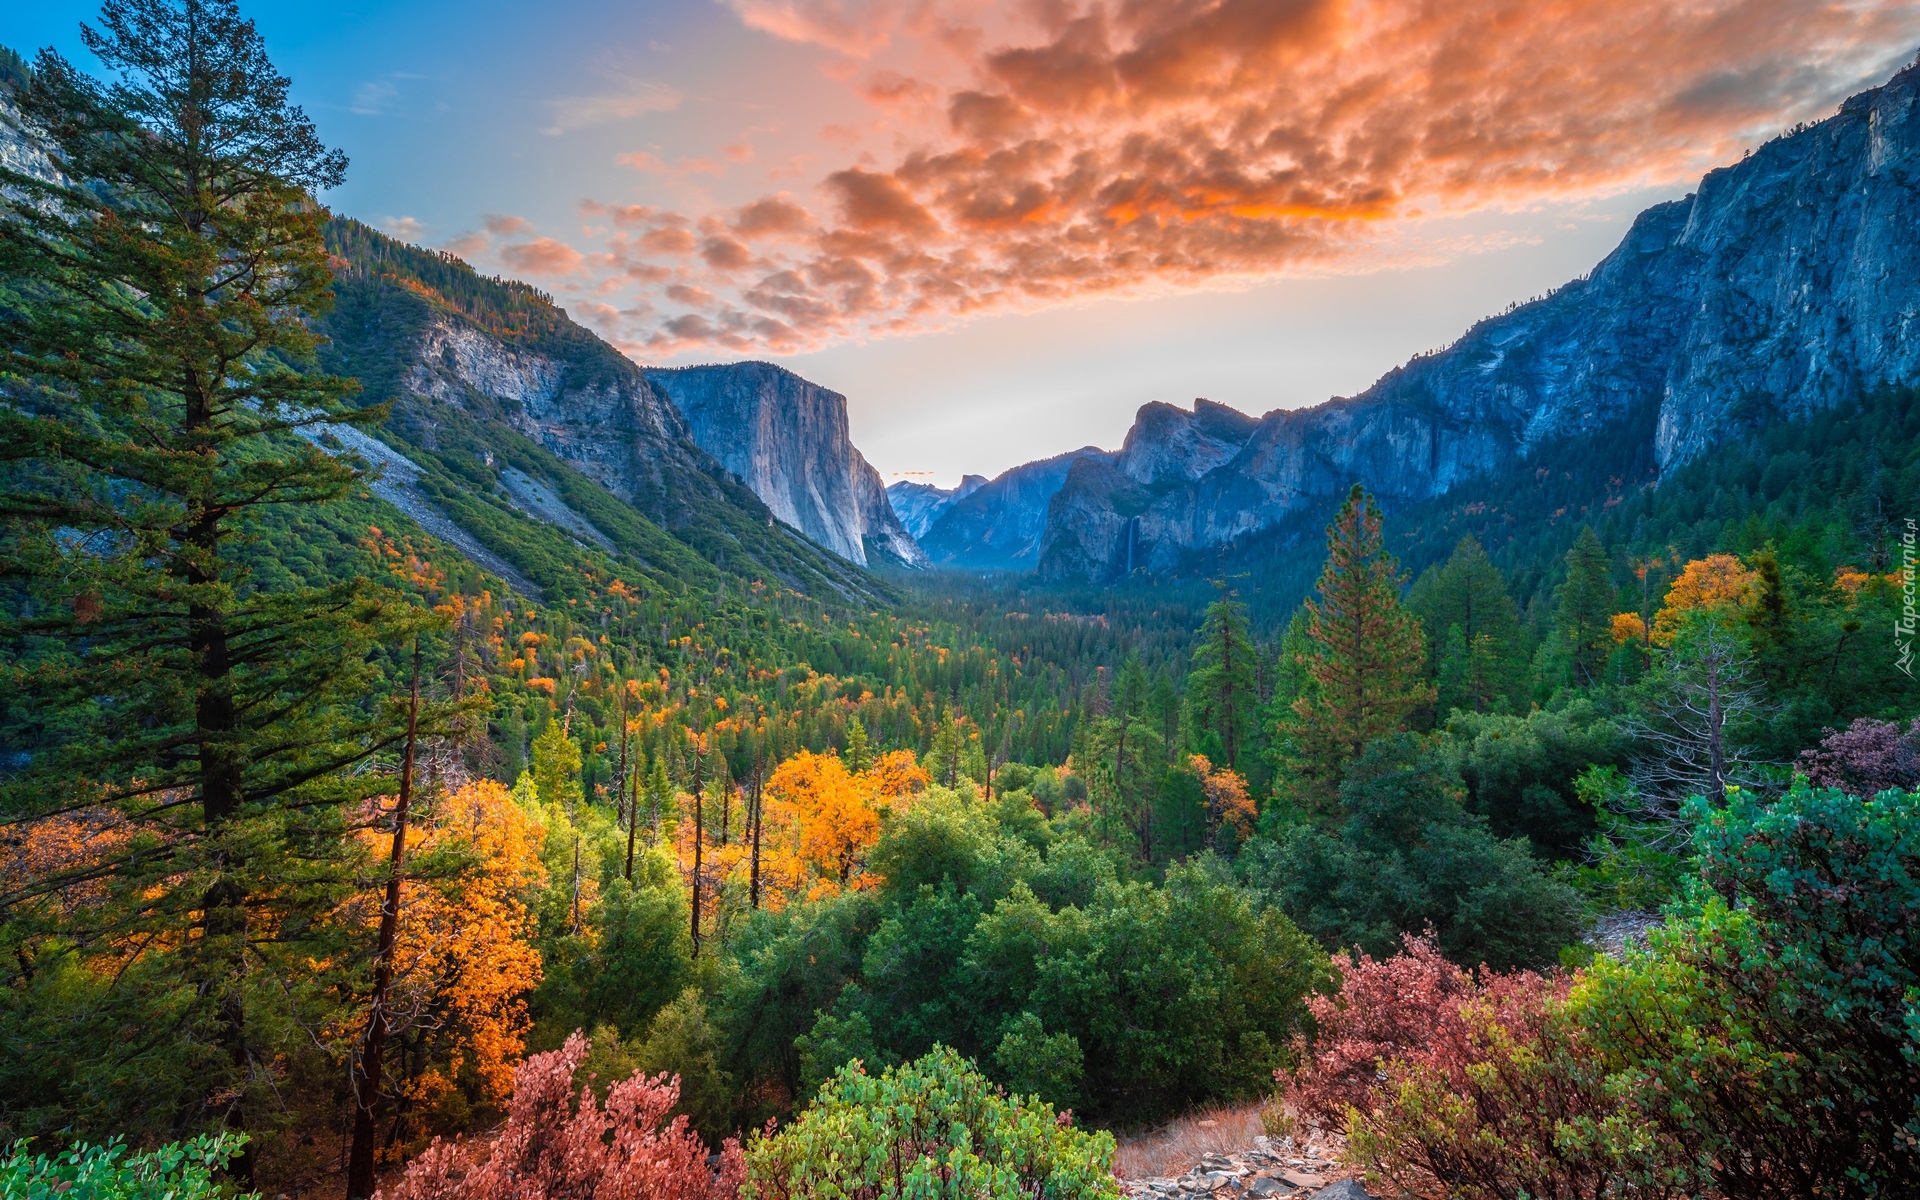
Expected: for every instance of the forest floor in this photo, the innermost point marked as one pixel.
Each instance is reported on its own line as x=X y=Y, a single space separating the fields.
x=1224 y=1153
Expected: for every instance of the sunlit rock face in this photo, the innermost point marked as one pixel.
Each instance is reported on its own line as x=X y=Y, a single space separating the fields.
x=1790 y=282
x=787 y=440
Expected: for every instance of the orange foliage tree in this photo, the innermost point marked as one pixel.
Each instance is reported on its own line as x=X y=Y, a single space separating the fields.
x=1226 y=798
x=464 y=959
x=824 y=818
x=1718 y=581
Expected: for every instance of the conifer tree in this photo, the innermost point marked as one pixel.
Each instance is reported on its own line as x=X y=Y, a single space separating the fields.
x=1221 y=692
x=858 y=757
x=1585 y=619
x=1366 y=665
x=1473 y=628
x=154 y=392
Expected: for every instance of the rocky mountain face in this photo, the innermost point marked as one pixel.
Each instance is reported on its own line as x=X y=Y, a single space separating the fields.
x=787 y=440
x=998 y=526
x=1788 y=283
x=919 y=505
x=499 y=399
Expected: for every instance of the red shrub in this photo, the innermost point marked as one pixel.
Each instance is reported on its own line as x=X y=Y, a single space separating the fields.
x=552 y=1149
x=1866 y=758
x=1455 y=1084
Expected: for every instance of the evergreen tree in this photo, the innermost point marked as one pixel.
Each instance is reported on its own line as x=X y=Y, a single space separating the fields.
x=1473 y=627
x=1221 y=693
x=858 y=757
x=1584 y=622
x=155 y=389
x=1366 y=665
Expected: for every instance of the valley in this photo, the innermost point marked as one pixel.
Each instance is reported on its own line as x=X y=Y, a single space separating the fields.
x=447 y=757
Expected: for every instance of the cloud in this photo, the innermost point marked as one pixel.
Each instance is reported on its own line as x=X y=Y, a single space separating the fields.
x=632 y=99
x=543 y=256
x=653 y=164
x=466 y=244
x=374 y=97
x=1122 y=145
x=406 y=229
x=505 y=226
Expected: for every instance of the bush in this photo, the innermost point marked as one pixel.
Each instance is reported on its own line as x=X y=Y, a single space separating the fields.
x=1773 y=1029
x=932 y=1128
x=552 y=1147
x=181 y=1171
x=1408 y=858
x=1451 y=1084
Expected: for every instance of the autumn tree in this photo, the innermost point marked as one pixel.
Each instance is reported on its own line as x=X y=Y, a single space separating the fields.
x=1366 y=660
x=158 y=405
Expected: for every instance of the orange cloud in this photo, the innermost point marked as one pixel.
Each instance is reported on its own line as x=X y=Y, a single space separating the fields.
x=1123 y=144
x=543 y=256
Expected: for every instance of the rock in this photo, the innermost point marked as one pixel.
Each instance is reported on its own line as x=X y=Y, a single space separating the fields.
x=1266 y=1186
x=1299 y=1178
x=1784 y=286
x=998 y=526
x=1345 y=1189
x=787 y=440
x=919 y=505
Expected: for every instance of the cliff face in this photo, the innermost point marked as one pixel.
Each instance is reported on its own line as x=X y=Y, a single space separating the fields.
x=919 y=505
x=1788 y=283
x=999 y=525
x=787 y=440
x=500 y=401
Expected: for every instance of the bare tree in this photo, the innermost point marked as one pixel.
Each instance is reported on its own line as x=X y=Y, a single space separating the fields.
x=1699 y=695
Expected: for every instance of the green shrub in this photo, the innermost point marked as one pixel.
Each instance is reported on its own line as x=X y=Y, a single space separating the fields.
x=931 y=1128
x=179 y=1171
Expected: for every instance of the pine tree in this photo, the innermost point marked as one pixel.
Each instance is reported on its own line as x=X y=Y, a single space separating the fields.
x=1473 y=627
x=1367 y=663
x=858 y=757
x=1584 y=623
x=154 y=392
x=1221 y=692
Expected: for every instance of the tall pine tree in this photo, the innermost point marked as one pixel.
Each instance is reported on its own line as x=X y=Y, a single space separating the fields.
x=1584 y=622
x=1366 y=665
x=1222 y=695
x=154 y=370
x=1473 y=629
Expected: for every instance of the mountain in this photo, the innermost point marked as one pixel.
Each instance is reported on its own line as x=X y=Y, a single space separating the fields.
x=787 y=440
x=919 y=505
x=510 y=423
x=998 y=526
x=1787 y=284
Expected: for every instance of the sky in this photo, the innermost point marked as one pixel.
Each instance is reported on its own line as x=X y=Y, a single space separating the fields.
x=1000 y=228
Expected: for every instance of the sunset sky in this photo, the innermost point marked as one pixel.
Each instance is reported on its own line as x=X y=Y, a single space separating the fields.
x=1000 y=228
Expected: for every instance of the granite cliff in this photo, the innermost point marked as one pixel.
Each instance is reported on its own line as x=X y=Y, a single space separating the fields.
x=919 y=505
x=1786 y=284
x=787 y=440
x=998 y=526
x=501 y=404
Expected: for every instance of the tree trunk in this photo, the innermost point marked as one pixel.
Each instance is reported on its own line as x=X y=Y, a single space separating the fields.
x=366 y=1090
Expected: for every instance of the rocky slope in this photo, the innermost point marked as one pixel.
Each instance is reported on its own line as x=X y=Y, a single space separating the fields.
x=999 y=525
x=787 y=440
x=919 y=505
x=1787 y=283
x=500 y=401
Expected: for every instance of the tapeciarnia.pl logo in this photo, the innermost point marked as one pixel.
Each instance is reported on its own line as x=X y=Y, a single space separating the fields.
x=1904 y=628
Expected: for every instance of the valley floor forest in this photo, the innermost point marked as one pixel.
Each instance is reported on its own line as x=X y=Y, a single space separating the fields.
x=334 y=862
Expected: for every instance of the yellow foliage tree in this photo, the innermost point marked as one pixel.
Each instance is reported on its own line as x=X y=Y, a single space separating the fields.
x=824 y=818
x=1226 y=797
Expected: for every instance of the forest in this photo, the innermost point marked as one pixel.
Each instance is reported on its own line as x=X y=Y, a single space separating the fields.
x=334 y=865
